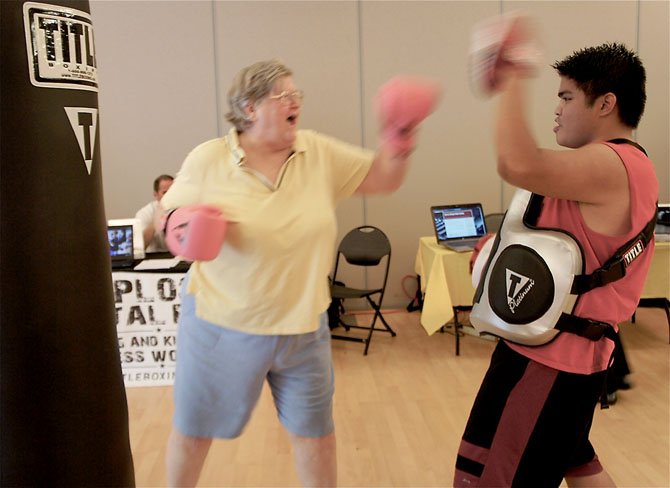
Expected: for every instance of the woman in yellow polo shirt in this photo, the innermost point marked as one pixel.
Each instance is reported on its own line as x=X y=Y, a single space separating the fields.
x=257 y=311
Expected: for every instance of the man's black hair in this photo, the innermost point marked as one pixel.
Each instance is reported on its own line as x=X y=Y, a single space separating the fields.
x=158 y=180
x=609 y=68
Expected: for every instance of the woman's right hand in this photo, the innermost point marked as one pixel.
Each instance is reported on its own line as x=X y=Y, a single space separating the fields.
x=195 y=232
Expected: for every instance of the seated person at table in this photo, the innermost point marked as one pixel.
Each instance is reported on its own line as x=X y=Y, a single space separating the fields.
x=149 y=216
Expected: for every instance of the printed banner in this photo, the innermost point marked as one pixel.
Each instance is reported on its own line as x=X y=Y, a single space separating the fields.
x=147 y=313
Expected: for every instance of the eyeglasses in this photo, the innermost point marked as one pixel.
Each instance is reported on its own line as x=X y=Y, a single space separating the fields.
x=288 y=97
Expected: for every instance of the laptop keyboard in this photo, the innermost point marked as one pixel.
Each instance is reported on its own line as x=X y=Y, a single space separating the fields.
x=461 y=246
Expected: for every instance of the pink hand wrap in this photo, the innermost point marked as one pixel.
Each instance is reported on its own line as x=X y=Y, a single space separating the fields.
x=195 y=232
x=402 y=104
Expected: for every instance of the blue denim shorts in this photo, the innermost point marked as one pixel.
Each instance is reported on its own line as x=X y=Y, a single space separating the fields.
x=220 y=374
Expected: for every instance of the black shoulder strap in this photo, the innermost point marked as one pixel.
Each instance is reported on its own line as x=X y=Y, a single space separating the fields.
x=621 y=140
x=615 y=267
x=533 y=210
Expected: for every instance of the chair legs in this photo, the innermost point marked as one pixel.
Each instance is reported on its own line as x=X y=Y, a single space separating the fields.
x=378 y=313
x=371 y=328
x=663 y=303
x=387 y=328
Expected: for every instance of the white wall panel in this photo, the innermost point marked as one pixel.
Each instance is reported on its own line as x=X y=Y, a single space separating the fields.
x=157 y=97
x=654 y=49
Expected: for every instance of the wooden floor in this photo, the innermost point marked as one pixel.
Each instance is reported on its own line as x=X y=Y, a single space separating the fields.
x=400 y=412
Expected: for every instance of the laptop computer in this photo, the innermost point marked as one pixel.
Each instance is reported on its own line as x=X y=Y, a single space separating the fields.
x=458 y=227
x=138 y=239
x=121 y=239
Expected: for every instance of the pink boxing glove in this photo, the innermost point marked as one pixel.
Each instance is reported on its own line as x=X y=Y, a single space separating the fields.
x=195 y=232
x=401 y=104
x=507 y=39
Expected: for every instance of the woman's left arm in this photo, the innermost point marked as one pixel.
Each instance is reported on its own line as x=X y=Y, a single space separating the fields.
x=387 y=172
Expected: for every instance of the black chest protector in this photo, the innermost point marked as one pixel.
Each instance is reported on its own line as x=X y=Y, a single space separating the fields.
x=534 y=276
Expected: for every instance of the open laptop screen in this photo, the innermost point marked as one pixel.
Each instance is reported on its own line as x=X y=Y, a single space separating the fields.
x=120 y=239
x=458 y=222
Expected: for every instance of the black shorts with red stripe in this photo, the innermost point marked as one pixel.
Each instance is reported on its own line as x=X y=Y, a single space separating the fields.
x=529 y=425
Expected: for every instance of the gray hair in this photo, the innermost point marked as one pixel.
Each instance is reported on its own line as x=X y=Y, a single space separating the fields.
x=250 y=85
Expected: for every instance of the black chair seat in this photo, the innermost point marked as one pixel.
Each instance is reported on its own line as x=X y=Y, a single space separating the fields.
x=339 y=291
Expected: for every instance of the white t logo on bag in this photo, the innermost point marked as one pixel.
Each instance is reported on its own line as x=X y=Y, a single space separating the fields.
x=84 y=122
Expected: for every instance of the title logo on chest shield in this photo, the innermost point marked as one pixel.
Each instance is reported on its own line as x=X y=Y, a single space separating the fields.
x=518 y=287
x=521 y=287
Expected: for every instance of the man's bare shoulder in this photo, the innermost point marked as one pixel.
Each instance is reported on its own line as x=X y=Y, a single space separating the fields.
x=592 y=173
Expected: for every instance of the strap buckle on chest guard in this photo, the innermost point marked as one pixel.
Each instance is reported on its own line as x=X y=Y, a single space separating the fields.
x=608 y=273
x=615 y=267
x=593 y=330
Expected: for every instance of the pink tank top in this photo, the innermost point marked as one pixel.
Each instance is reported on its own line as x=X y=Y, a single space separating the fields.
x=613 y=303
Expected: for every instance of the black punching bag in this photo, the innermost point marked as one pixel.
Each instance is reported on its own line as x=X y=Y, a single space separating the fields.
x=63 y=411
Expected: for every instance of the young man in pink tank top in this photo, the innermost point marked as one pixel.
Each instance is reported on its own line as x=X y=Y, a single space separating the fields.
x=530 y=422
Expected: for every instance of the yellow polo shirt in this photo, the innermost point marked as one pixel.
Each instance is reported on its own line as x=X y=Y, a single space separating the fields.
x=271 y=275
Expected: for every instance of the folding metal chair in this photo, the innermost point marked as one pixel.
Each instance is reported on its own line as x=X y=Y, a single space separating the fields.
x=365 y=246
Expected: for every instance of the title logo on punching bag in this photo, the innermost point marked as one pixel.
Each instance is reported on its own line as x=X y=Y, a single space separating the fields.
x=61 y=53
x=84 y=122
